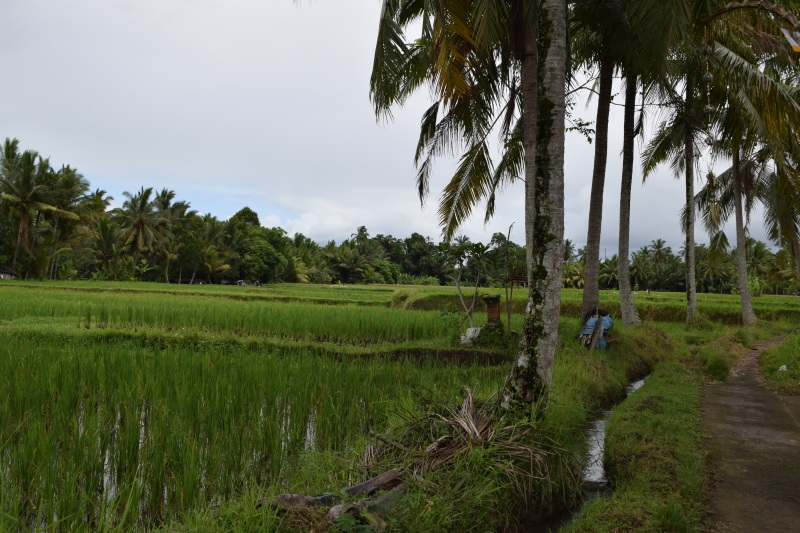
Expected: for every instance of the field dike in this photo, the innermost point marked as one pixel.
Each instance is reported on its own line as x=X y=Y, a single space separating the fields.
x=651 y=308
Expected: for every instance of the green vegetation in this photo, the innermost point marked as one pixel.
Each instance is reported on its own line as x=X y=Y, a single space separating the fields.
x=155 y=237
x=786 y=381
x=174 y=429
x=653 y=454
x=174 y=403
x=179 y=407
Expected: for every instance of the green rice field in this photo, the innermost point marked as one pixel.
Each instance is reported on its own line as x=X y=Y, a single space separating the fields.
x=127 y=406
x=98 y=431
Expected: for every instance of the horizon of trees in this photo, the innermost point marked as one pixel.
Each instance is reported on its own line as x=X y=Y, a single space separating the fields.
x=54 y=226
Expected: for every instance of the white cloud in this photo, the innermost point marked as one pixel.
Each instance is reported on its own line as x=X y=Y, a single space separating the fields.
x=256 y=102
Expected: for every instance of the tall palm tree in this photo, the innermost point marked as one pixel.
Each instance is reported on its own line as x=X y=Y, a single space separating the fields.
x=569 y=250
x=143 y=225
x=169 y=251
x=630 y=315
x=601 y=33
x=482 y=61
x=23 y=187
x=760 y=122
x=68 y=193
x=742 y=33
x=107 y=248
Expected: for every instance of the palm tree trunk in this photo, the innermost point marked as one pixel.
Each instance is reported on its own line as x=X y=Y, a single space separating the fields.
x=523 y=380
x=796 y=242
x=691 y=278
x=22 y=236
x=630 y=316
x=54 y=264
x=748 y=315
x=32 y=245
x=591 y=288
x=529 y=382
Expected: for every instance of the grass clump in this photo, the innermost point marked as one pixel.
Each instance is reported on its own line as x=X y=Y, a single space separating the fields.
x=467 y=465
x=716 y=360
x=787 y=355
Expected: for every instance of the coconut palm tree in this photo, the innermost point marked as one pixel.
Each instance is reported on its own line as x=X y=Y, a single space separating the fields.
x=742 y=34
x=143 y=225
x=759 y=125
x=107 y=248
x=630 y=315
x=68 y=193
x=569 y=250
x=482 y=62
x=23 y=187
x=169 y=252
x=609 y=272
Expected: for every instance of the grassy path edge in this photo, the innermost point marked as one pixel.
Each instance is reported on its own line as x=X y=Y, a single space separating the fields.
x=654 y=458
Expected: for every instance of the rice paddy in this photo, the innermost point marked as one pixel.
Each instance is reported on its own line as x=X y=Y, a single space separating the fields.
x=137 y=406
x=100 y=435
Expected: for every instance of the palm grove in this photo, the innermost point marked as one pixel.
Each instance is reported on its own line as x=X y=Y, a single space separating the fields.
x=707 y=72
x=712 y=80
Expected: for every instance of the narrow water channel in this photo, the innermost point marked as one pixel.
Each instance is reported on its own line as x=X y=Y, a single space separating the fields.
x=594 y=472
x=595 y=482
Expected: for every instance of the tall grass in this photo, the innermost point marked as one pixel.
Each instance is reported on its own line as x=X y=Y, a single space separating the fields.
x=321 y=323
x=87 y=432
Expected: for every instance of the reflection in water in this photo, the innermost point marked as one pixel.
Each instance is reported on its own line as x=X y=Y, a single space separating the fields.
x=594 y=472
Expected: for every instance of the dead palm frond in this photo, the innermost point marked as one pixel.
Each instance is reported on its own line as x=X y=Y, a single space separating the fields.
x=457 y=442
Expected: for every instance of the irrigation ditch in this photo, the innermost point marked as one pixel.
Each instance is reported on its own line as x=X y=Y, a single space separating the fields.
x=595 y=482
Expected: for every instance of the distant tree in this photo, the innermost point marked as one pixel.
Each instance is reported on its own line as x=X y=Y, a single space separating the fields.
x=247 y=216
x=23 y=186
x=143 y=225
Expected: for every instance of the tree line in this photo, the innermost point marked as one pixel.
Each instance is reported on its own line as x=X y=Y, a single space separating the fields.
x=54 y=226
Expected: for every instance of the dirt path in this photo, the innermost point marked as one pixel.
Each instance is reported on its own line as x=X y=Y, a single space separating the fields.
x=753 y=437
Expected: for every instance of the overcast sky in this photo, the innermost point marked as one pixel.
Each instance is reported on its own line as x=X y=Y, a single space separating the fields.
x=260 y=103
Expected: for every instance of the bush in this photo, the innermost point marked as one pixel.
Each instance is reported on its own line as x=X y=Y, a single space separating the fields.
x=407 y=279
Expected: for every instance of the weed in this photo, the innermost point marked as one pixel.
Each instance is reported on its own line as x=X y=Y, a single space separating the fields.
x=716 y=360
x=744 y=337
x=781 y=366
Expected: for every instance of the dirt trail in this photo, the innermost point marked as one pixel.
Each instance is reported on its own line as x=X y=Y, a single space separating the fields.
x=753 y=437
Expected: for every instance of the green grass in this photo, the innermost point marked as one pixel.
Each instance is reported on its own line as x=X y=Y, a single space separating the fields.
x=788 y=355
x=654 y=458
x=350 y=324
x=81 y=424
